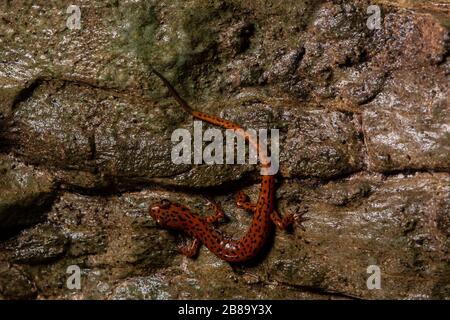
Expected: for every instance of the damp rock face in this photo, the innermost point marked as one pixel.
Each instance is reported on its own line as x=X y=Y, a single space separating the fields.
x=25 y=195
x=399 y=224
x=320 y=144
x=15 y=284
x=419 y=138
x=86 y=129
x=62 y=126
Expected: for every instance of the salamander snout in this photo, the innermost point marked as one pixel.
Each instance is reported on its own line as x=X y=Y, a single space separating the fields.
x=158 y=211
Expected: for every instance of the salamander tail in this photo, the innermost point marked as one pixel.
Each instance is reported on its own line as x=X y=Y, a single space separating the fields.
x=174 y=93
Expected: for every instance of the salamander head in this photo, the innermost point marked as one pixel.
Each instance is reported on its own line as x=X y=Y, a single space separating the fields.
x=159 y=211
x=162 y=212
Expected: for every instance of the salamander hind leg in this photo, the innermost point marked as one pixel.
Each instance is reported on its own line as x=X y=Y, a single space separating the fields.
x=288 y=220
x=190 y=249
x=243 y=202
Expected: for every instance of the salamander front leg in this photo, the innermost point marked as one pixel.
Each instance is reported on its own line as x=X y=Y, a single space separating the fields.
x=191 y=249
x=243 y=202
x=218 y=213
x=288 y=220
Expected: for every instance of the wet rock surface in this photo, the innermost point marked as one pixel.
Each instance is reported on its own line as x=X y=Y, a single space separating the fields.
x=416 y=139
x=398 y=223
x=25 y=195
x=14 y=283
x=85 y=146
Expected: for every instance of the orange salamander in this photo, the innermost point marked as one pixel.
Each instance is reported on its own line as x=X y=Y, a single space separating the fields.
x=175 y=216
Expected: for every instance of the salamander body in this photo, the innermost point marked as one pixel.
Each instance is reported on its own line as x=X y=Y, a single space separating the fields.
x=175 y=216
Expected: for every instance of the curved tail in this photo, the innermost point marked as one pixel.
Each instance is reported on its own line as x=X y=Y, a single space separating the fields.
x=174 y=93
x=265 y=162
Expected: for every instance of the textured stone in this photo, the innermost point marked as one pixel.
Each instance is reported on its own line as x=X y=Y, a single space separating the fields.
x=25 y=194
x=320 y=144
x=40 y=244
x=407 y=125
x=14 y=284
x=400 y=224
x=85 y=146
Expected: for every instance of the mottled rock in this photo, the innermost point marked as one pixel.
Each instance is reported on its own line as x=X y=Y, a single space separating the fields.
x=363 y=119
x=100 y=134
x=14 y=284
x=407 y=125
x=408 y=40
x=319 y=143
x=64 y=126
x=25 y=194
x=335 y=47
x=400 y=224
x=40 y=244
x=117 y=232
x=132 y=145
x=149 y=288
x=36 y=43
x=175 y=284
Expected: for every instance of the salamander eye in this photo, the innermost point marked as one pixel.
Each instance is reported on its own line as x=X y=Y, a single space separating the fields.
x=165 y=203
